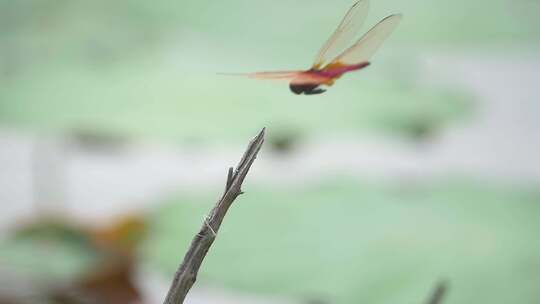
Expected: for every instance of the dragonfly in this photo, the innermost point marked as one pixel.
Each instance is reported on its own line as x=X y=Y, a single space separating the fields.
x=333 y=59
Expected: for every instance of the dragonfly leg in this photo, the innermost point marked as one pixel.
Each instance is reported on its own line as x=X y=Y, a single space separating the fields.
x=314 y=91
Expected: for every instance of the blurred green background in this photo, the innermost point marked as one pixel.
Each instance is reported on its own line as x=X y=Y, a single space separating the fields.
x=420 y=168
x=151 y=69
x=351 y=241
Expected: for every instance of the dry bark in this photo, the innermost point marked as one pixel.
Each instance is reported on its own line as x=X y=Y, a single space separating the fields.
x=186 y=274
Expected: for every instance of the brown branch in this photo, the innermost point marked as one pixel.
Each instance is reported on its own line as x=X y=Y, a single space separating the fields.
x=438 y=293
x=187 y=272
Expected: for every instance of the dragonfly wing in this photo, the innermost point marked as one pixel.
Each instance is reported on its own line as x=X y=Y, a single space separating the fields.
x=345 y=32
x=366 y=46
x=278 y=75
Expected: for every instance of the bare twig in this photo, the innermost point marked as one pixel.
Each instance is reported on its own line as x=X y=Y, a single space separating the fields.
x=438 y=293
x=187 y=272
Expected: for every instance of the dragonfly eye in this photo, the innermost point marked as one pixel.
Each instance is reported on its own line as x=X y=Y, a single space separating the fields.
x=308 y=89
x=297 y=89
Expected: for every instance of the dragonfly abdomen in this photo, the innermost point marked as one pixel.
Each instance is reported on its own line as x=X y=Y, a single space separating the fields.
x=339 y=70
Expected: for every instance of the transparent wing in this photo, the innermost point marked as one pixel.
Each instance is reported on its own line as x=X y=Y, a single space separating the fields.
x=278 y=75
x=347 y=29
x=364 y=48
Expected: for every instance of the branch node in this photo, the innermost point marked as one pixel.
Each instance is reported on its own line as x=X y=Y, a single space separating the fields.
x=214 y=234
x=229 y=179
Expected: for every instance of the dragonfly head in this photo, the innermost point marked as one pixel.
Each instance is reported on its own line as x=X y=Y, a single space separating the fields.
x=306 y=89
